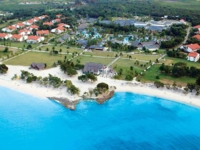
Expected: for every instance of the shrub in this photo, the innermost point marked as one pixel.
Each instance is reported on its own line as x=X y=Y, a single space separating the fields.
x=129 y=77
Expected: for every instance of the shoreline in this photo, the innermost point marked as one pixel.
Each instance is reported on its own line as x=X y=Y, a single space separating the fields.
x=135 y=87
x=169 y=95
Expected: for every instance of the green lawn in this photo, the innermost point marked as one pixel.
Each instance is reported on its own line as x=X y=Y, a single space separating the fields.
x=30 y=57
x=9 y=22
x=100 y=53
x=18 y=44
x=125 y=65
x=170 y=60
x=150 y=75
x=86 y=59
x=64 y=48
x=143 y=57
x=10 y=51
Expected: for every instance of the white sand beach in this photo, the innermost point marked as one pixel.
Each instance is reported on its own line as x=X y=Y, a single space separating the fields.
x=122 y=86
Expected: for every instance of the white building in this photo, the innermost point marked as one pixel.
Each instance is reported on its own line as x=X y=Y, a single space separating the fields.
x=193 y=56
x=191 y=47
x=34 y=39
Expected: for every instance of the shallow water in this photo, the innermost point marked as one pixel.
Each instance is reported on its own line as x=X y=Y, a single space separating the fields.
x=127 y=121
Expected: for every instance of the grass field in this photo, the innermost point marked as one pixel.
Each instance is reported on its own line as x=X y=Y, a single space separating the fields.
x=170 y=60
x=64 y=48
x=150 y=75
x=125 y=65
x=8 y=23
x=100 y=53
x=85 y=59
x=143 y=57
x=30 y=57
x=18 y=44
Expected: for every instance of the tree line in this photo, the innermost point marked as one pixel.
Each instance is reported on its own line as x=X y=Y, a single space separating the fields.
x=180 y=69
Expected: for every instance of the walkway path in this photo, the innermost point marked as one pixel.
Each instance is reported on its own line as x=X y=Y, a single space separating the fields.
x=187 y=35
x=113 y=61
x=14 y=56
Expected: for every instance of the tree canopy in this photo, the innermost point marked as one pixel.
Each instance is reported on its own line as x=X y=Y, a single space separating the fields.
x=3 y=68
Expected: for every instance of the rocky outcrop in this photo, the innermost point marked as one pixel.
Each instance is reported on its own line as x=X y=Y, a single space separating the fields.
x=105 y=96
x=72 y=104
x=65 y=102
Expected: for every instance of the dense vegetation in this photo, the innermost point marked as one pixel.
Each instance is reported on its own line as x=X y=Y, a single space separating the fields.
x=87 y=77
x=48 y=81
x=108 y=9
x=3 y=68
x=68 y=67
x=179 y=70
x=178 y=33
x=176 y=53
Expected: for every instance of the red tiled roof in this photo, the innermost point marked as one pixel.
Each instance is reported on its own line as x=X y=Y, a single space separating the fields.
x=61 y=25
x=34 y=26
x=198 y=26
x=42 y=32
x=11 y=27
x=24 y=30
x=45 y=16
x=36 y=18
x=30 y=21
x=48 y=23
x=33 y=37
x=3 y=35
x=16 y=36
x=58 y=15
x=56 y=20
x=197 y=37
x=193 y=54
x=193 y=46
x=20 y=24
x=61 y=28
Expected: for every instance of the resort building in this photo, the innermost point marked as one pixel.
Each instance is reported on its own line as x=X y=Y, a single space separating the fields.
x=93 y=68
x=25 y=32
x=35 y=27
x=56 y=21
x=196 y=37
x=58 y=15
x=38 y=66
x=34 y=39
x=5 y=36
x=48 y=23
x=63 y=25
x=19 y=25
x=58 y=30
x=28 y=22
x=18 y=37
x=151 y=45
x=193 y=56
x=43 y=16
x=96 y=47
x=197 y=27
x=9 y=29
x=42 y=32
x=191 y=47
x=36 y=19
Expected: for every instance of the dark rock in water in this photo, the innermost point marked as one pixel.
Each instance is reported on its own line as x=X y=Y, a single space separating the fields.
x=65 y=102
x=104 y=97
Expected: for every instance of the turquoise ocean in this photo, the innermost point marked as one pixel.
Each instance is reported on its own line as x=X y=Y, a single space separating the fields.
x=128 y=121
